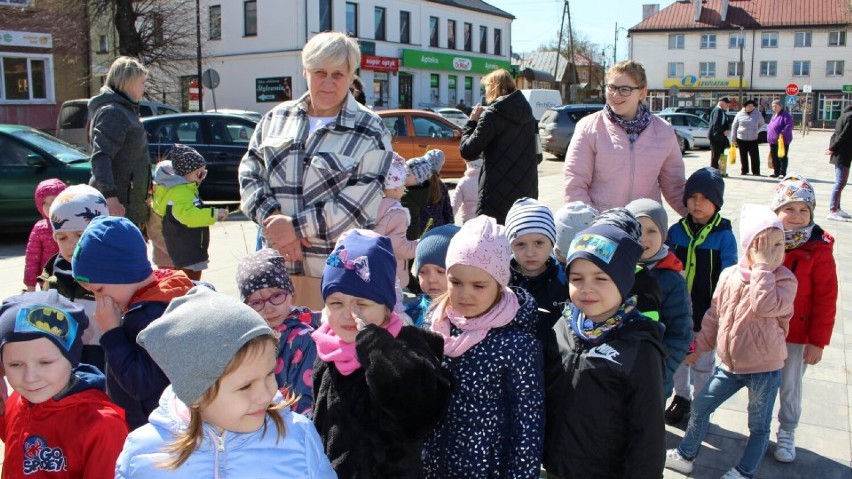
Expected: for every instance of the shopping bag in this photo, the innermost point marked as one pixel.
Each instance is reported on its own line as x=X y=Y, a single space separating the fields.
x=732 y=155
x=723 y=164
x=770 y=162
x=782 y=148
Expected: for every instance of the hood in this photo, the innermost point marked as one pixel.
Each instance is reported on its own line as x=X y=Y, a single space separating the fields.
x=670 y=262
x=164 y=175
x=514 y=107
x=86 y=377
x=526 y=317
x=753 y=220
x=168 y=284
x=108 y=95
x=51 y=187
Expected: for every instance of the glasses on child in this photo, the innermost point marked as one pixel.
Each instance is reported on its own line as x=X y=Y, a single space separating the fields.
x=275 y=299
x=622 y=90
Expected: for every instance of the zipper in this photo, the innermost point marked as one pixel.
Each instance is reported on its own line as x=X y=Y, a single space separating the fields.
x=632 y=166
x=219 y=441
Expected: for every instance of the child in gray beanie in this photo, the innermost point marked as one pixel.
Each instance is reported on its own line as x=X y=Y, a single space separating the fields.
x=220 y=356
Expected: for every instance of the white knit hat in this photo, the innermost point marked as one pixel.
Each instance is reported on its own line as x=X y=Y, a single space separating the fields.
x=528 y=216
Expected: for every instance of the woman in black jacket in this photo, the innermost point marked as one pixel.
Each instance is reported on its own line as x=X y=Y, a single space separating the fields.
x=505 y=134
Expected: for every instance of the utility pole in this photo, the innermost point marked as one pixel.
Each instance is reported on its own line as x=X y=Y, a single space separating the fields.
x=575 y=80
x=559 y=45
x=615 y=45
x=740 y=66
x=198 y=53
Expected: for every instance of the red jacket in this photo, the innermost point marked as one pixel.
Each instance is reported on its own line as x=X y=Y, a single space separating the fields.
x=76 y=437
x=815 y=306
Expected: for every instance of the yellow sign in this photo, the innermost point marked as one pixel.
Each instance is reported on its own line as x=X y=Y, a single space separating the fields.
x=692 y=81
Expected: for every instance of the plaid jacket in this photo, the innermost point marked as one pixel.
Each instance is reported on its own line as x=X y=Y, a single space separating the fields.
x=329 y=182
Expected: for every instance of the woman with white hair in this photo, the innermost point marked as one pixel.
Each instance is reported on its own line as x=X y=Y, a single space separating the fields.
x=121 y=168
x=315 y=165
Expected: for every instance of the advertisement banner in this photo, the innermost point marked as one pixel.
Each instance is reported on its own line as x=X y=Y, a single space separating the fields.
x=692 y=81
x=379 y=64
x=459 y=62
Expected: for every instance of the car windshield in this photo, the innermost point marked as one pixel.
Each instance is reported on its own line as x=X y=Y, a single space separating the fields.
x=58 y=148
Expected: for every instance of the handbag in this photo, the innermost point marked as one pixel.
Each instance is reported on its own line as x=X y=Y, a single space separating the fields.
x=732 y=155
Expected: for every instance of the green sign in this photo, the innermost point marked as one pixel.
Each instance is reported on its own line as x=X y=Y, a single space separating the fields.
x=449 y=62
x=847 y=88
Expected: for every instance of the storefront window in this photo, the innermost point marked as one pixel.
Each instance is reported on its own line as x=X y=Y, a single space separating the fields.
x=452 y=97
x=468 y=91
x=830 y=106
x=435 y=88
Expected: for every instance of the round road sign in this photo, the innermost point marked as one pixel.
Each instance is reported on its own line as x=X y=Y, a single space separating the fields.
x=792 y=89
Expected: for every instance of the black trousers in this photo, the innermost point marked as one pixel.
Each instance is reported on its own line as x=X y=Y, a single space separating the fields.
x=779 y=164
x=716 y=150
x=748 y=152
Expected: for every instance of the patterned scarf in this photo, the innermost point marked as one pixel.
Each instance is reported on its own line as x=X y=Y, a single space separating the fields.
x=631 y=127
x=797 y=237
x=592 y=332
x=330 y=348
x=475 y=329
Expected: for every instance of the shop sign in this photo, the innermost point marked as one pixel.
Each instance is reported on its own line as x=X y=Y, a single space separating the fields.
x=379 y=64
x=847 y=88
x=692 y=81
x=273 y=89
x=449 y=62
x=25 y=39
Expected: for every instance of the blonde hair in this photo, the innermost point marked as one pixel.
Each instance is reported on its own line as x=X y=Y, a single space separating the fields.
x=634 y=70
x=331 y=48
x=498 y=83
x=124 y=70
x=188 y=441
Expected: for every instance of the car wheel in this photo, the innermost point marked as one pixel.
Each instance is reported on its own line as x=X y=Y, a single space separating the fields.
x=681 y=141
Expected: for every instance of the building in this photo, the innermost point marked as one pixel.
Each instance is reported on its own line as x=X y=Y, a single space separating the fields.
x=578 y=81
x=695 y=52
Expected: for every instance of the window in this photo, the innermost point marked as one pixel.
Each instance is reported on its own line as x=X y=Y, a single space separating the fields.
x=498 y=42
x=451 y=34
x=433 y=31
x=430 y=128
x=25 y=78
x=250 y=18
x=325 y=15
x=452 y=90
x=468 y=37
x=483 y=39
x=676 y=42
x=768 y=68
x=380 y=23
x=837 y=39
x=736 y=40
x=230 y=132
x=707 y=69
x=801 y=68
x=834 y=68
x=214 y=16
x=675 y=70
x=708 y=40
x=802 y=39
x=769 y=40
x=734 y=69
x=404 y=27
x=352 y=19
x=435 y=88
x=103 y=44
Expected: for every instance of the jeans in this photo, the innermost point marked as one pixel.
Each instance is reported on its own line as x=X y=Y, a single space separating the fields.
x=779 y=164
x=762 y=390
x=748 y=149
x=791 y=387
x=841 y=175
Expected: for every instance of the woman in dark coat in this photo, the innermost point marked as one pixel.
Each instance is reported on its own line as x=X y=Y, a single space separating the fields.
x=505 y=134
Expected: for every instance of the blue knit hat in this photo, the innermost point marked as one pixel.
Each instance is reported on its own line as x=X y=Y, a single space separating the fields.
x=44 y=314
x=111 y=251
x=432 y=247
x=612 y=249
x=707 y=181
x=362 y=265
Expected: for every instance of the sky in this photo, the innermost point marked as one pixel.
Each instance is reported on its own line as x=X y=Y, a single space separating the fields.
x=537 y=21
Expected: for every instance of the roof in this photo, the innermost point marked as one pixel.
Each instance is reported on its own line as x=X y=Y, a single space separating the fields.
x=749 y=14
x=477 y=6
x=544 y=62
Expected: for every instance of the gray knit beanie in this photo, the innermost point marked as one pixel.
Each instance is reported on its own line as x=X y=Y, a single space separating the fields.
x=651 y=209
x=197 y=336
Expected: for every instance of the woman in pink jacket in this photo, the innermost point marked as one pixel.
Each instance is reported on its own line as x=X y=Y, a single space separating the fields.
x=747 y=324
x=623 y=152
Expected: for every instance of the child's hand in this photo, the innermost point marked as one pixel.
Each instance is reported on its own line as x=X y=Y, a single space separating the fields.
x=760 y=250
x=222 y=214
x=360 y=323
x=812 y=354
x=107 y=314
x=691 y=359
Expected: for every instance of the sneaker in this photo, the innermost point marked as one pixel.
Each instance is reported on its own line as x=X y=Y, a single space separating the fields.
x=786 y=449
x=734 y=474
x=843 y=214
x=676 y=462
x=834 y=215
x=677 y=410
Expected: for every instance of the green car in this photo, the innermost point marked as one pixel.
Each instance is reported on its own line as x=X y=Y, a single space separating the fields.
x=27 y=157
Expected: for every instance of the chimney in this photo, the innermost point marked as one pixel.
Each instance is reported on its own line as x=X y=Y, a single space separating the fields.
x=697 y=13
x=650 y=10
x=724 y=13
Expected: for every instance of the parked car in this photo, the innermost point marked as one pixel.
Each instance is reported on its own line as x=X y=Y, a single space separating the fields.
x=27 y=157
x=254 y=115
x=541 y=100
x=417 y=131
x=684 y=140
x=698 y=128
x=702 y=112
x=72 y=123
x=557 y=127
x=455 y=115
x=222 y=139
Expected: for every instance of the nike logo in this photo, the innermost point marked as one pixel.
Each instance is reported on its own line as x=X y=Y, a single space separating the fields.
x=604 y=351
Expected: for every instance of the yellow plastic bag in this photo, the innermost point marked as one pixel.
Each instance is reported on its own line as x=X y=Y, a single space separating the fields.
x=782 y=149
x=732 y=155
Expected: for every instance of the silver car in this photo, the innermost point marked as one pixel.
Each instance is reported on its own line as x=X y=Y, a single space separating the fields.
x=455 y=116
x=699 y=129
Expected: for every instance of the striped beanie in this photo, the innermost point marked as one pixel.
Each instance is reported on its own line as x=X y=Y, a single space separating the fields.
x=528 y=216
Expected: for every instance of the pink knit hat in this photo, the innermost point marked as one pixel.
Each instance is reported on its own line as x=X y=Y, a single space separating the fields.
x=482 y=243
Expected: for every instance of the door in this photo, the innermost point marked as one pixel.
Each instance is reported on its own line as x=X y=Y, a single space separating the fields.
x=400 y=140
x=405 y=89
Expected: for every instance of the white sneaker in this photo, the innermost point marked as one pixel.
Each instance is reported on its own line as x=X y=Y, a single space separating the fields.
x=676 y=462
x=785 y=451
x=843 y=214
x=733 y=474
x=835 y=215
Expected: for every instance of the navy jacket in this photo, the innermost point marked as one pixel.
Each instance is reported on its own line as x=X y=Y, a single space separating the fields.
x=550 y=290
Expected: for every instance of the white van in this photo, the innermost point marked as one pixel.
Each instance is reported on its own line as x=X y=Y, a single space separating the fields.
x=72 y=123
x=542 y=100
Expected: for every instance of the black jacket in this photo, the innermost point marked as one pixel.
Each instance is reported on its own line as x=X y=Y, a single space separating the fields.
x=505 y=135
x=373 y=421
x=605 y=403
x=550 y=290
x=720 y=122
x=841 y=140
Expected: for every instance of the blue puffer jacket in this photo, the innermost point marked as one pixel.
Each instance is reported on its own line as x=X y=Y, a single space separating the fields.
x=494 y=426
x=258 y=454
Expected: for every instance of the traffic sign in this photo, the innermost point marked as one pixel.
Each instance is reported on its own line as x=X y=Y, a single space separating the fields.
x=807 y=88
x=210 y=79
x=193 y=90
x=792 y=89
x=792 y=100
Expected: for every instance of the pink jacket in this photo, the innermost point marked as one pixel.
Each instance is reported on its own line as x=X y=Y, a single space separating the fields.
x=392 y=221
x=466 y=194
x=41 y=246
x=604 y=171
x=747 y=323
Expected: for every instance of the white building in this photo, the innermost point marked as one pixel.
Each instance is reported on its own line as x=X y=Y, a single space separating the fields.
x=415 y=53
x=692 y=51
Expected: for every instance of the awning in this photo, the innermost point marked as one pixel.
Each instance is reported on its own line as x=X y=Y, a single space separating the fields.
x=537 y=75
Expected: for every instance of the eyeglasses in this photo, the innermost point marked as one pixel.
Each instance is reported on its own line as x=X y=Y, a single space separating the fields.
x=275 y=299
x=622 y=90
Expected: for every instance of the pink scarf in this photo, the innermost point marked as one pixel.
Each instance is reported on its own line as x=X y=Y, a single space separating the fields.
x=475 y=329
x=330 y=348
